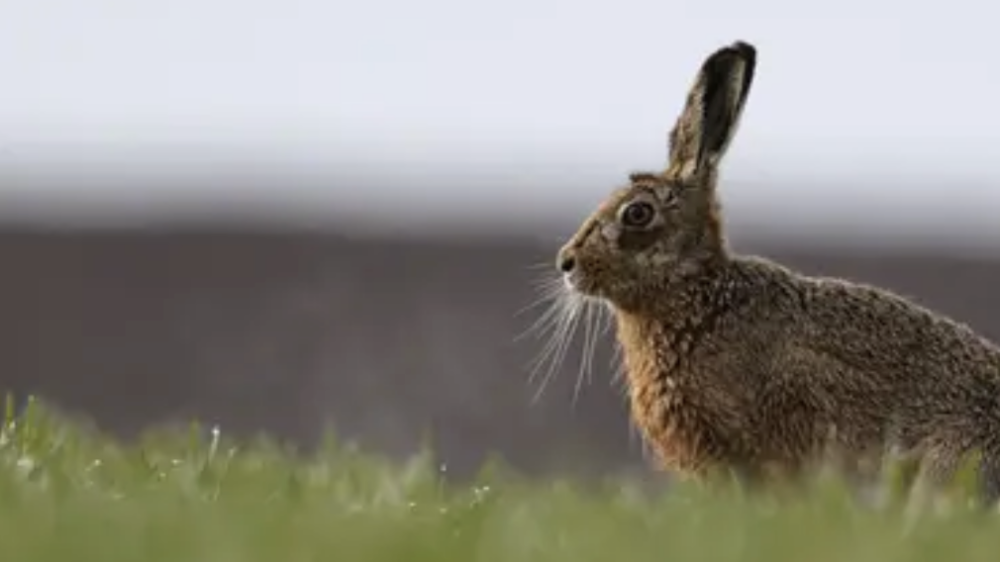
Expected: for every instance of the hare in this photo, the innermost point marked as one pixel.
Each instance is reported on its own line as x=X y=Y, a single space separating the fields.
x=741 y=364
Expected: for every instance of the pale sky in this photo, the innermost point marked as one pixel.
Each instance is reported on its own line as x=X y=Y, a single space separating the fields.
x=859 y=109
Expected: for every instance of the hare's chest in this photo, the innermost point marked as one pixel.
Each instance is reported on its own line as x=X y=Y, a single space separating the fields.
x=677 y=396
x=674 y=418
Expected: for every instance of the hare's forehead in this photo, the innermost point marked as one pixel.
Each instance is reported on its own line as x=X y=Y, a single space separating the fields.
x=623 y=195
x=617 y=198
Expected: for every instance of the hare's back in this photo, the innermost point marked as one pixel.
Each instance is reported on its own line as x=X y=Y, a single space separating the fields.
x=877 y=328
x=867 y=326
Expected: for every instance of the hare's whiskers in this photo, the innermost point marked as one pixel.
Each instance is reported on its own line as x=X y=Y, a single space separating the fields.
x=582 y=371
x=564 y=338
x=546 y=295
x=552 y=322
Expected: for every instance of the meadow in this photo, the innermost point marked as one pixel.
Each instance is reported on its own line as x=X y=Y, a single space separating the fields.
x=69 y=493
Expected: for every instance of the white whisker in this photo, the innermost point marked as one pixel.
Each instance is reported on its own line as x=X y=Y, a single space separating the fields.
x=564 y=337
x=544 y=323
x=556 y=326
x=592 y=332
x=617 y=365
x=546 y=282
x=551 y=345
x=547 y=295
x=603 y=327
x=538 y=265
x=588 y=328
x=556 y=321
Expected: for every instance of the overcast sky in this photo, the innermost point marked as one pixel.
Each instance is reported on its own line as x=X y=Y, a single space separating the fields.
x=859 y=108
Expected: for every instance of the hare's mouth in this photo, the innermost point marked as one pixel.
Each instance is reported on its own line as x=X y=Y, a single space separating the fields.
x=571 y=281
x=577 y=282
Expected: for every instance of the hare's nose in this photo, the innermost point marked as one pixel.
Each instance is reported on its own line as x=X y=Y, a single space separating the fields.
x=565 y=261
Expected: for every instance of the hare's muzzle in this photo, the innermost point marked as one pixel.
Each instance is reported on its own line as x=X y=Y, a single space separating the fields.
x=566 y=261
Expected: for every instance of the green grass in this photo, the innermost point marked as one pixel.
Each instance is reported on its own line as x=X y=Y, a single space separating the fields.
x=67 y=494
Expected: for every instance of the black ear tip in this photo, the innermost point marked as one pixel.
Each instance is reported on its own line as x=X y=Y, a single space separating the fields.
x=723 y=61
x=741 y=50
x=745 y=50
x=724 y=58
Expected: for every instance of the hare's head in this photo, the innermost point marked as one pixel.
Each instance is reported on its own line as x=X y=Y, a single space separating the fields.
x=665 y=226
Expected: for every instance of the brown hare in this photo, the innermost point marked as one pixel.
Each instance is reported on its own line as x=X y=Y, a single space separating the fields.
x=738 y=363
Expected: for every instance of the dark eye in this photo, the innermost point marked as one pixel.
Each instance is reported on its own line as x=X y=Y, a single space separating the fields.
x=637 y=214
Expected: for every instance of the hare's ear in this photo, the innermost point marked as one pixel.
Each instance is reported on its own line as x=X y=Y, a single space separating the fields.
x=710 y=118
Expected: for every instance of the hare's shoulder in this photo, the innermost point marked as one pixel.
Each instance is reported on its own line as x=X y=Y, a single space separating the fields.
x=849 y=319
x=836 y=301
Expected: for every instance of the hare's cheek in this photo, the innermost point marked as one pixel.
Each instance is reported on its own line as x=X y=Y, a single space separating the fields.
x=611 y=232
x=646 y=260
x=637 y=242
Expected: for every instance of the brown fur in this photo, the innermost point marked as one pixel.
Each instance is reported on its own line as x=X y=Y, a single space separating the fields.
x=739 y=363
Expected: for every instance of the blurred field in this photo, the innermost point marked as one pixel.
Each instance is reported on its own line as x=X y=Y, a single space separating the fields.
x=386 y=340
x=387 y=337
x=67 y=493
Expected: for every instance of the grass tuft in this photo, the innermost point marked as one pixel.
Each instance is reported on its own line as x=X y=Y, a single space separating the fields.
x=69 y=493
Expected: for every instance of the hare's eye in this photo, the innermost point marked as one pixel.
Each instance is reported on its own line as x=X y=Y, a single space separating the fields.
x=637 y=214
